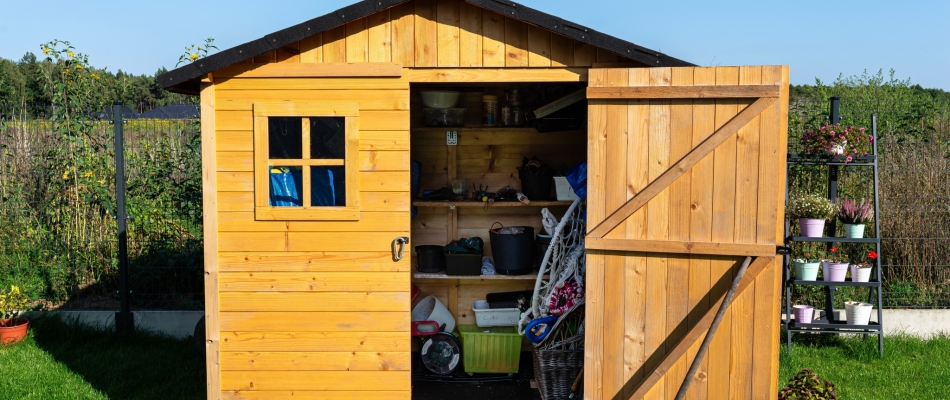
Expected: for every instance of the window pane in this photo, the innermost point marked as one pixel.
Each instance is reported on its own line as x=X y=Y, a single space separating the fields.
x=328 y=186
x=327 y=137
x=285 y=137
x=285 y=185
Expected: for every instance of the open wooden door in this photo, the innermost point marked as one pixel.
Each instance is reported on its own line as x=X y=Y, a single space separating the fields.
x=684 y=182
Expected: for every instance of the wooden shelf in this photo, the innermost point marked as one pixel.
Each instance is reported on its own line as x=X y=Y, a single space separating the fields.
x=540 y=203
x=443 y=275
x=474 y=129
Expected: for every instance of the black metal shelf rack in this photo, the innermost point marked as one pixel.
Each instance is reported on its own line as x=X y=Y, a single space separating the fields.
x=828 y=323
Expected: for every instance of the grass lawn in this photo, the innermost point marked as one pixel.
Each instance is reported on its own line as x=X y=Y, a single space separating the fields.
x=911 y=368
x=62 y=360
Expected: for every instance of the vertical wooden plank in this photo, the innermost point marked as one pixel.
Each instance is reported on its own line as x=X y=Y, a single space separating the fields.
x=724 y=184
x=747 y=164
x=606 y=56
x=681 y=135
x=584 y=54
x=615 y=194
x=493 y=42
x=594 y=327
x=765 y=318
x=380 y=37
x=334 y=45
x=357 y=41
x=289 y=54
x=769 y=151
x=470 y=35
x=448 y=33
x=658 y=228
x=403 y=34
x=562 y=51
x=311 y=49
x=701 y=193
x=637 y=176
x=210 y=226
x=539 y=47
x=516 y=43
x=426 y=33
x=597 y=152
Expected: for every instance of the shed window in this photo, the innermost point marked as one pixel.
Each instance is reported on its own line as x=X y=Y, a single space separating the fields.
x=306 y=155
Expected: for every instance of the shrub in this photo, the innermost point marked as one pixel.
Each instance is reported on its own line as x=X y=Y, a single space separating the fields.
x=811 y=206
x=808 y=385
x=853 y=212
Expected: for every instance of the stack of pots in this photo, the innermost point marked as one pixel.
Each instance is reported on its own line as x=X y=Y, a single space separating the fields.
x=858 y=313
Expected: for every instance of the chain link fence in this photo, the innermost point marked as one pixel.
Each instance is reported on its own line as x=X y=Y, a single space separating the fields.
x=57 y=215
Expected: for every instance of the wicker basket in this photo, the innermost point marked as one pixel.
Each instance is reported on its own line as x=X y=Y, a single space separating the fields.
x=560 y=357
x=556 y=370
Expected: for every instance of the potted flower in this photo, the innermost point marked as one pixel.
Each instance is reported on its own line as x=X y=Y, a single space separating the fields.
x=861 y=272
x=837 y=140
x=12 y=328
x=858 y=313
x=806 y=267
x=812 y=211
x=854 y=215
x=834 y=269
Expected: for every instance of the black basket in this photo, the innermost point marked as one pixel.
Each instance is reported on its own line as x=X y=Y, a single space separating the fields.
x=463 y=264
x=556 y=370
x=508 y=299
x=541 y=246
x=536 y=187
x=431 y=259
x=513 y=254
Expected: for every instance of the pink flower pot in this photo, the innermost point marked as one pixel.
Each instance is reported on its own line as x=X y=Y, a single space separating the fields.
x=803 y=314
x=834 y=272
x=812 y=227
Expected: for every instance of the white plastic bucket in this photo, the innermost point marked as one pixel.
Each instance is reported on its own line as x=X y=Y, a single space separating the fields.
x=486 y=317
x=564 y=190
x=431 y=309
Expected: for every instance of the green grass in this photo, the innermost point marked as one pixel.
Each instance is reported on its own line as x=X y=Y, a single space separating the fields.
x=911 y=368
x=66 y=360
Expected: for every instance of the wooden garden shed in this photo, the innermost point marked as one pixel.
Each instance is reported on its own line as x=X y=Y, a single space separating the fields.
x=311 y=302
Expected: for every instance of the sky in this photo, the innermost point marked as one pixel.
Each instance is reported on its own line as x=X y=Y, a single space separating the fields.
x=817 y=39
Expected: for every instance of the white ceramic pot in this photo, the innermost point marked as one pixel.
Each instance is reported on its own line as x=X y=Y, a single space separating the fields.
x=858 y=313
x=431 y=309
x=440 y=99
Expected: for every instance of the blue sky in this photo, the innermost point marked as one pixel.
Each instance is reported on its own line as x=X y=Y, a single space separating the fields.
x=816 y=38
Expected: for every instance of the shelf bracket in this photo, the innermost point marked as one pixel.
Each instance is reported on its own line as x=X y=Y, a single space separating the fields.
x=451 y=138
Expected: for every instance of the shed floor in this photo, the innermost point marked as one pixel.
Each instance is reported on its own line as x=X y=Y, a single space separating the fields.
x=461 y=386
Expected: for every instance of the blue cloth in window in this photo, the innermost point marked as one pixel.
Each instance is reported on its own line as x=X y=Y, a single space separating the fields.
x=285 y=186
x=324 y=187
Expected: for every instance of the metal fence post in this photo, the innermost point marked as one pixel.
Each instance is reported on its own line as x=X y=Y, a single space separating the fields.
x=834 y=118
x=123 y=319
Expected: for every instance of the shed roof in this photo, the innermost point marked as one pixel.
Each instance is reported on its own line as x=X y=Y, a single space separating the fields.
x=185 y=79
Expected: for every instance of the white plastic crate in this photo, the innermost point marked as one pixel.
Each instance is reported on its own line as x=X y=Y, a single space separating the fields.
x=564 y=190
x=486 y=317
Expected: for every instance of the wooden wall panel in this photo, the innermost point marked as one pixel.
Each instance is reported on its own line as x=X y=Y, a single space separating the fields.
x=657 y=297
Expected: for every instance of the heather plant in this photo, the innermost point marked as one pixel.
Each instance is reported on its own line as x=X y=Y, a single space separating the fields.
x=842 y=140
x=811 y=206
x=854 y=212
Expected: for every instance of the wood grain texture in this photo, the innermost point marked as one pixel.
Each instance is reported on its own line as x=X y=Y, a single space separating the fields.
x=315 y=341
x=315 y=380
x=470 y=35
x=314 y=361
x=679 y=246
x=448 y=33
x=310 y=262
x=562 y=50
x=312 y=302
x=334 y=45
x=516 y=43
x=380 y=37
x=314 y=282
x=357 y=41
x=594 y=323
x=403 y=34
x=750 y=91
x=493 y=42
x=314 y=395
x=210 y=227
x=311 y=49
x=327 y=321
x=539 y=47
x=426 y=33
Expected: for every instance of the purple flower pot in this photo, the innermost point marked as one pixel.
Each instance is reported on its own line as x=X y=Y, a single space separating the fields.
x=803 y=314
x=812 y=227
x=834 y=272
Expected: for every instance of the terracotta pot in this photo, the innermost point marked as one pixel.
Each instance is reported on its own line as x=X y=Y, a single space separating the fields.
x=14 y=333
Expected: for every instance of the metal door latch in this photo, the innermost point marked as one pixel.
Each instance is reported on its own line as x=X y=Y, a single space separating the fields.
x=452 y=138
x=399 y=245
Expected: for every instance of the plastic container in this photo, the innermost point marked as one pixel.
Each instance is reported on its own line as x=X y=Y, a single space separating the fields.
x=497 y=351
x=803 y=313
x=487 y=317
x=431 y=309
x=535 y=187
x=463 y=264
x=508 y=299
x=489 y=110
x=858 y=313
x=541 y=246
x=431 y=259
x=513 y=254
x=440 y=99
x=563 y=189
x=451 y=117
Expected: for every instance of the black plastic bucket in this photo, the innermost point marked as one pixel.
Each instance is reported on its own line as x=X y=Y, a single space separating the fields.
x=541 y=246
x=431 y=259
x=536 y=187
x=513 y=254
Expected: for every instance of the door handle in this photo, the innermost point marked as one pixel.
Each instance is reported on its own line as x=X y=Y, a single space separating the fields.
x=399 y=245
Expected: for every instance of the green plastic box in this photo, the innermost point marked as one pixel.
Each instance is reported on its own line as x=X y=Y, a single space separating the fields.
x=495 y=350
